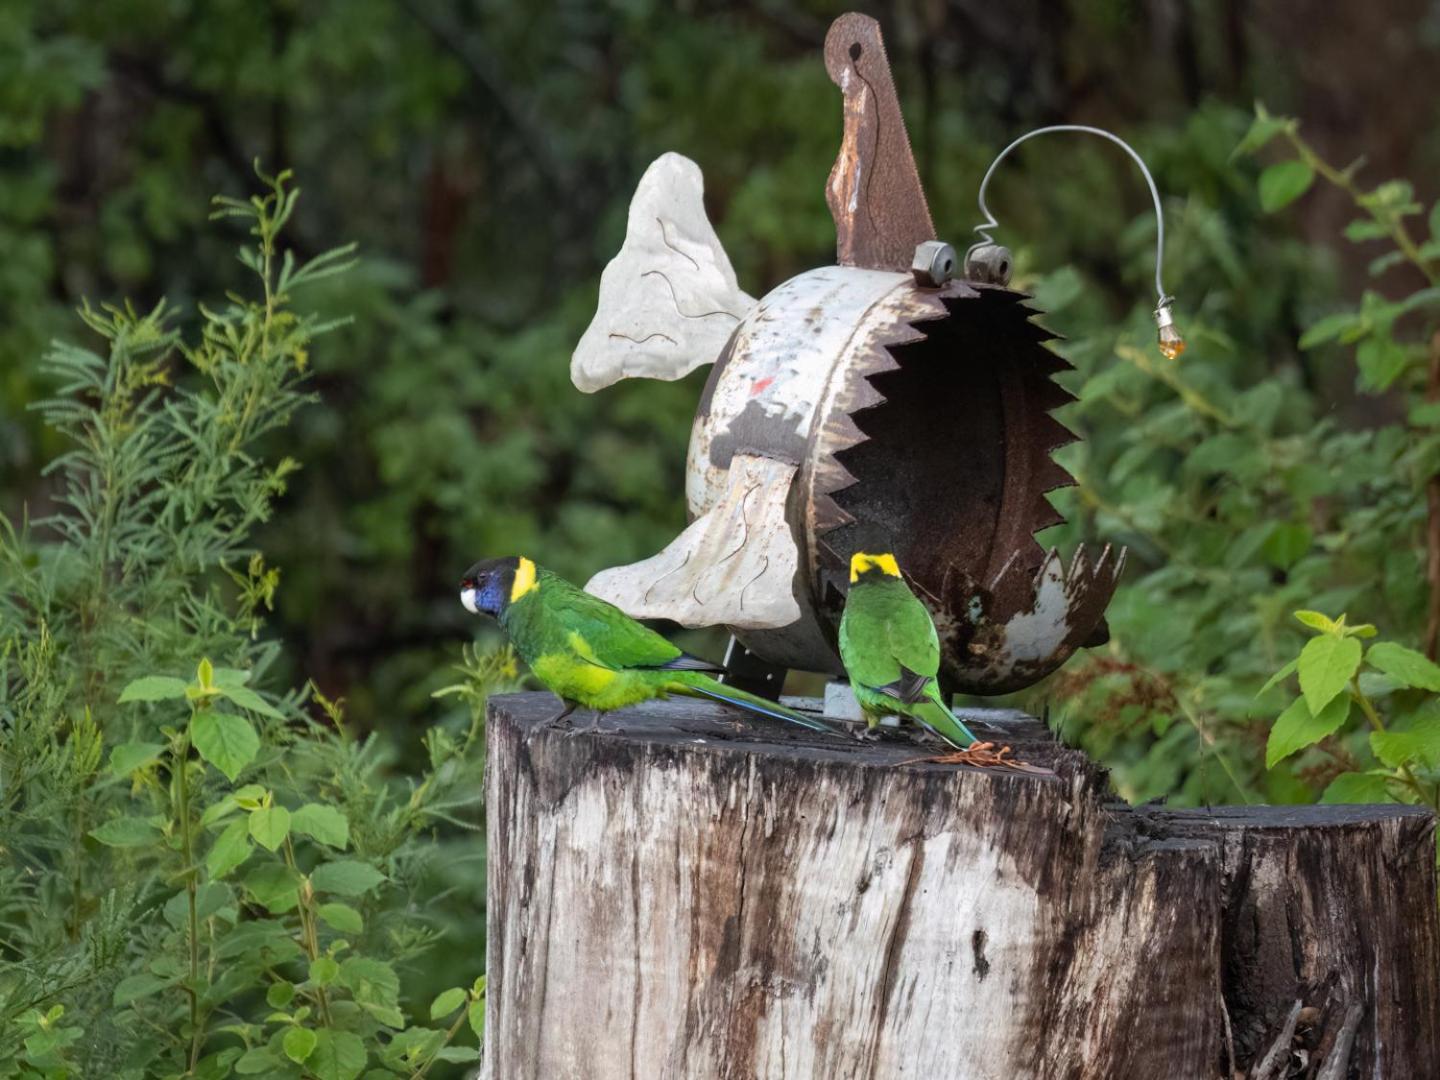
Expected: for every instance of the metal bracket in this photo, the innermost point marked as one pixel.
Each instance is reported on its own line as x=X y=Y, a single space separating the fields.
x=746 y=671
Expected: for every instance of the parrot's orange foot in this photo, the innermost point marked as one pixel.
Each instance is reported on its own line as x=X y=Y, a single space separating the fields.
x=984 y=755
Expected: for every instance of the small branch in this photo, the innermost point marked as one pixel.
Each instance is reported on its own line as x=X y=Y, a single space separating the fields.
x=1229 y=1036
x=1337 y=1062
x=1392 y=223
x=1273 y=1063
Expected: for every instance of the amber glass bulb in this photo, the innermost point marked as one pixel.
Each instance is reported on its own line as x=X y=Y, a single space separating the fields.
x=1171 y=343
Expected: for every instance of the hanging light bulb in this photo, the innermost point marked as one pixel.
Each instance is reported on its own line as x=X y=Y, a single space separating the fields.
x=1170 y=342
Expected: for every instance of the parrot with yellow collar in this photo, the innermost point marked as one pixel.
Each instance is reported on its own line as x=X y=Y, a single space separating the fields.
x=590 y=653
x=891 y=652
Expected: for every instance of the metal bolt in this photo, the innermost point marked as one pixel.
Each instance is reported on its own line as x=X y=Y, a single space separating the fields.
x=988 y=264
x=934 y=264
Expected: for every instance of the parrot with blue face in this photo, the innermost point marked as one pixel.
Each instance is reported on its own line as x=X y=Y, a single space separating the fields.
x=591 y=654
x=891 y=651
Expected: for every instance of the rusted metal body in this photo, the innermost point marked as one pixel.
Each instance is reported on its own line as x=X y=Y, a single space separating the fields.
x=872 y=406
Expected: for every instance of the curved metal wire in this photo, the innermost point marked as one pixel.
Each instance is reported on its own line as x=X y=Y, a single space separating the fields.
x=1163 y=298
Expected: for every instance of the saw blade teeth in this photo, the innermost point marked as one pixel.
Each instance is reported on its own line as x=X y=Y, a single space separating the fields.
x=1047 y=394
x=830 y=515
x=1052 y=434
x=834 y=479
x=866 y=396
x=1044 y=516
x=1111 y=565
x=1052 y=476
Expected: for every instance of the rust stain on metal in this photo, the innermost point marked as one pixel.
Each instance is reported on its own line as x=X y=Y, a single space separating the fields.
x=874 y=191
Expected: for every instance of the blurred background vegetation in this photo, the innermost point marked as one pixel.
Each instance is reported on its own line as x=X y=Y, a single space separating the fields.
x=483 y=154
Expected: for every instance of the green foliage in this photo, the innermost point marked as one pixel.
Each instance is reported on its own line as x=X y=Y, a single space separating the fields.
x=1393 y=753
x=1244 y=493
x=204 y=876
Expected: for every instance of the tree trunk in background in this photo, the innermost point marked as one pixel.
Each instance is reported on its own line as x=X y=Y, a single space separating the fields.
x=701 y=898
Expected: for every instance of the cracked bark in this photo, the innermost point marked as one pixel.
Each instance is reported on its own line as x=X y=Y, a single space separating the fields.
x=697 y=898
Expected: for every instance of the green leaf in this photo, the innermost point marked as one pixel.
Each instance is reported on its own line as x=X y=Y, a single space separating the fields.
x=280 y=994
x=1316 y=621
x=210 y=898
x=229 y=676
x=135 y=987
x=370 y=980
x=274 y=886
x=375 y=988
x=322 y=823
x=128 y=757
x=476 y=1016
x=1298 y=728
x=224 y=740
x=269 y=826
x=323 y=970
x=231 y=848
x=205 y=674
x=127 y=832
x=1435 y=221
x=346 y=877
x=1329 y=328
x=257 y=1061
x=266 y=941
x=1283 y=183
x=1381 y=361
x=447 y=1002
x=342 y=917
x=153 y=688
x=1355 y=787
x=338 y=1055
x=1287 y=543
x=249 y=699
x=1365 y=229
x=1262 y=129
x=1279 y=677
x=1405 y=665
x=299 y=1044
x=1326 y=665
x=1416 y=744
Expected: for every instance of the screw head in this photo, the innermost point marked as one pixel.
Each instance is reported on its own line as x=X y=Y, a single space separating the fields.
x=934 y=264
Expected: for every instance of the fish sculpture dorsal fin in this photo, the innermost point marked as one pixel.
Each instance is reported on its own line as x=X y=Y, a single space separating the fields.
x=669 y=299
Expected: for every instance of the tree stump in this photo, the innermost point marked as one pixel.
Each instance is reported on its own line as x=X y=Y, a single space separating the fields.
x=692 y=893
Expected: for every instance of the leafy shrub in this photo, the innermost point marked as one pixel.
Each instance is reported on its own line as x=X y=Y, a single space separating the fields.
x=1242 y=491
x=1341 y=679
x=203 y=875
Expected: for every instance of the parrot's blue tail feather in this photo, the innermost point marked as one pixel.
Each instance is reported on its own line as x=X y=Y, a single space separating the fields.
x=730 y=695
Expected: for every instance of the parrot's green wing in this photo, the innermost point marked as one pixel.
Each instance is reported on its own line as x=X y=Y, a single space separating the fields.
x=603 y=634
x=887 y=639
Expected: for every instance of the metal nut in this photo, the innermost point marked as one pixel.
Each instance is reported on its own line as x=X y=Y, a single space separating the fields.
x=988 y=264
x=934 y=264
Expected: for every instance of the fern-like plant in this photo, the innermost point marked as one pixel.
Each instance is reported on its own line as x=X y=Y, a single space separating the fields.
x=203 y=874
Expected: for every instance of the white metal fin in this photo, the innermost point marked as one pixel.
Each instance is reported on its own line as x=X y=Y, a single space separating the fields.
x=734 y=565
x=669 y=300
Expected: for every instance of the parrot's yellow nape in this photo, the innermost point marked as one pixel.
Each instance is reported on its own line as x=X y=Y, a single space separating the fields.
x=524 y=579
x=861 y=562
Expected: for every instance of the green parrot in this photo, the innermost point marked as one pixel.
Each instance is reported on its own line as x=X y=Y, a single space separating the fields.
x=590 y=653
x=891 y=652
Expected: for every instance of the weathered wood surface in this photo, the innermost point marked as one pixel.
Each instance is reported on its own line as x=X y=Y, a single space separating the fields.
x=701 y=897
